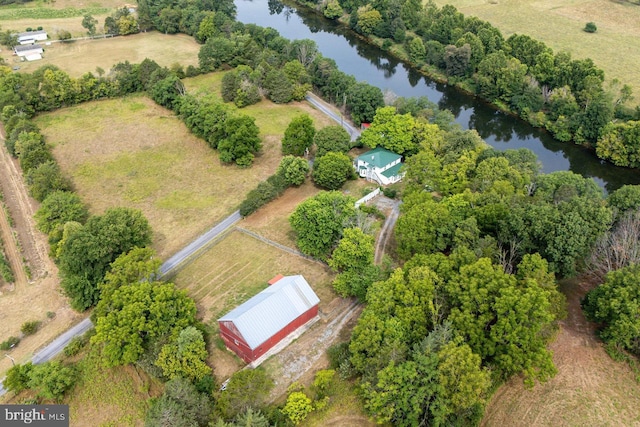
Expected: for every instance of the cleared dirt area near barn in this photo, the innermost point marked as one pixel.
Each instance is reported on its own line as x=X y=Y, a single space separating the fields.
x=83 y=56
x=590 y=388
x=615 y=47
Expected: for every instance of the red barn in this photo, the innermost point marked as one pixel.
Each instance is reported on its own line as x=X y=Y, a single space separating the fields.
x=253 y=328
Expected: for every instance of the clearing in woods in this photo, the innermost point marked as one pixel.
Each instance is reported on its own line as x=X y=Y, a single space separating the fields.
x=589 y=389
x=615 y=47
x=32 y=298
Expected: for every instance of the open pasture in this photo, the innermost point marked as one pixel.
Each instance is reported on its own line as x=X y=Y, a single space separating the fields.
x=131 y=152
x=615 y=47
x=83 y=56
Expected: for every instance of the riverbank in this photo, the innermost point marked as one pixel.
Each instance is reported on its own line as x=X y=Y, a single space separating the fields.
x=581 y=128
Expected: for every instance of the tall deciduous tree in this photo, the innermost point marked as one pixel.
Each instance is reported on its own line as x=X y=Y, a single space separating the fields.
x=392 y=131
x=332 y=170
x=85 y=253
x=319 y=221
x=136 y=314
x=186 y=357
x=298 y=136
x=332 y=138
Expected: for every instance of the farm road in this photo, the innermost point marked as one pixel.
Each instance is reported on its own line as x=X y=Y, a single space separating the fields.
x=57 y=345
x=386 y=232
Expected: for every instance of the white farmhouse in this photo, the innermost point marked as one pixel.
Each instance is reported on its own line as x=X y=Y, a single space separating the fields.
x=379 y=165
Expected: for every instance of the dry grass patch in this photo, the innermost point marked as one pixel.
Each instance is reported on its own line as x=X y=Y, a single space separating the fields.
x=131 y=152
x=110 y=396
x=79 y=57
x=615 y=47
x=19 y=304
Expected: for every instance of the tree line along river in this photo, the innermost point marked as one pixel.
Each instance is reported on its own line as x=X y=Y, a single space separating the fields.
x=376 y=67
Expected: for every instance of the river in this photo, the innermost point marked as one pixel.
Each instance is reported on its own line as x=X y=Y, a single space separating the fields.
x=371 y=64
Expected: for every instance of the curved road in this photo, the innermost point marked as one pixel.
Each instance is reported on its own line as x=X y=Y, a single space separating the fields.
x=57 y=345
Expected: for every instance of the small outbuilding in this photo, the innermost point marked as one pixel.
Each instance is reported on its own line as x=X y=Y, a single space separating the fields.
x=31 y=37
x=255 y=327
x=30 y=52
x=379 y=165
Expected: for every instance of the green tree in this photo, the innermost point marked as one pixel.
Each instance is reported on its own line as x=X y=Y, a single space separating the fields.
x=332 y=138
x=319 y=221
x=17 y=378
x=45 y=179
x=333 y=10
x=32 y=151
x=186 y=357
x=501 y=321
x=136 y=314
x=425 y=227
x=181 y=405
x=363 y=100
x=298 y=136
x=246 y=389
x=416 y=50
x=293 y=169
x=242 y=141
x=130 y=268
x=332 y=170
x=624 y=199
x=51 y=379
x=297 y=407
x=89 y=23
x=615 y=305
x=85 y=254
x=353 y=259
x=368 y=19
x=56 y=210
x=393 y=131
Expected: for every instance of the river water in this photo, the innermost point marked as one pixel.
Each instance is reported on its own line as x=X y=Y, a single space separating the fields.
x=371 y=64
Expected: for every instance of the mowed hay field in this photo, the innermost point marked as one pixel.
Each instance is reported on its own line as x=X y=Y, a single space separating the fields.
x=131 y=152
x=83 y=56
x=615 y=47
x=235 y=269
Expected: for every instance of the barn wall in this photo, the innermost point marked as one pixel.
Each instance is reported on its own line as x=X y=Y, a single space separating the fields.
x=275 y=339
x=240 y=347
x=235 y=343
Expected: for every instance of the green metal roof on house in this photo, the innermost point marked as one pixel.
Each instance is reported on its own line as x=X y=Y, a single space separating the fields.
x=392 y=171
x=379 y=157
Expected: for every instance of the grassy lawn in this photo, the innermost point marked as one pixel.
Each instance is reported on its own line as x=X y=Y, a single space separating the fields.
x=615 y=47
x=110 y=396
x=80 y=57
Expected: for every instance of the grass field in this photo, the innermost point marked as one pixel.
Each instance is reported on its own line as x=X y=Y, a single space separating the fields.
x=130 y=152
x=615 y=47
x=82 y=56
x=114 y=397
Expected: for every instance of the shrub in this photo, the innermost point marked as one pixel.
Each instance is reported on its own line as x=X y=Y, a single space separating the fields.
x=9 y=343
x=297 y=407
x=75 y=346
x=590 y=27
x=390 y=192
x=64 y=35
x=51 y=314
x=30 y=328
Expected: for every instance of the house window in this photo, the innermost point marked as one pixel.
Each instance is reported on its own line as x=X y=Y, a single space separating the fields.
x=236 y=342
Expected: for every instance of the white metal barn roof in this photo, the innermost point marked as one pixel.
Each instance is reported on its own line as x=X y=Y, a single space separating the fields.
x=272 y=309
